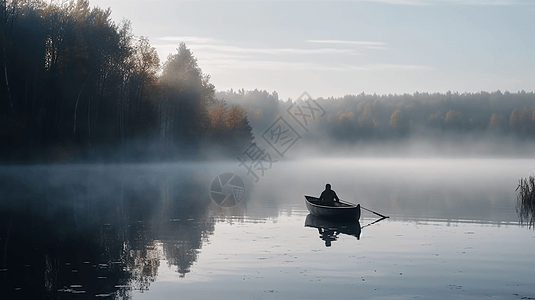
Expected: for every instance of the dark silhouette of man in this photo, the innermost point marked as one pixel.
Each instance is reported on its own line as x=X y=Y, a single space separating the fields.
x=328 y=196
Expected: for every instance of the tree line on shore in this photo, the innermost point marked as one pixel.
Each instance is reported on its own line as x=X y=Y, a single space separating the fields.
x=72 y=81
x=362 y=118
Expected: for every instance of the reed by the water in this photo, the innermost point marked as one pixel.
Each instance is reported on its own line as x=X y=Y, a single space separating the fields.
x=525 y=206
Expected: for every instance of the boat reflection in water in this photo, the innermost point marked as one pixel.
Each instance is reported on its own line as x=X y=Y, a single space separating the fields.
x=329 y=229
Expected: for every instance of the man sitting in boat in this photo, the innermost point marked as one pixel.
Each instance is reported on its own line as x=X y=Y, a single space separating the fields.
x=329 y=196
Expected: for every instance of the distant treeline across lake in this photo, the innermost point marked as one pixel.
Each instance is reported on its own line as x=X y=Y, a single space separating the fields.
x=363 y=118
x=494 y=113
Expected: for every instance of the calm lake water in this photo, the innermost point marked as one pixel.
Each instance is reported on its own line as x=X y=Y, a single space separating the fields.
x=153 y=232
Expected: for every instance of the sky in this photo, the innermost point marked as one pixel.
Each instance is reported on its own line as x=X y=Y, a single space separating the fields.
x=335 y=48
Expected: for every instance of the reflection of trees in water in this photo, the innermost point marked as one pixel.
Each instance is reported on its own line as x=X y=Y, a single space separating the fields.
x=49 y=258
x=186 y=223
x=526 y=201
x=143 y=266
x=97 y=236
x=180 y=254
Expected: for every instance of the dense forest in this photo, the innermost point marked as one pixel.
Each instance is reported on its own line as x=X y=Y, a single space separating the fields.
x=73 y=84
x=364 y=118
x=496 y=113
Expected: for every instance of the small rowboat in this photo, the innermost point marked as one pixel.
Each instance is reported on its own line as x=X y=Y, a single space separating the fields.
x=342 y=210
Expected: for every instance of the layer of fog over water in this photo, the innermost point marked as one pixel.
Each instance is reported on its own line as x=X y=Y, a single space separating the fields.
x=151 y=231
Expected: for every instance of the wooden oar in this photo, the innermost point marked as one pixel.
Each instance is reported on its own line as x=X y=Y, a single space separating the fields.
x=375 y=212
x=376 y=221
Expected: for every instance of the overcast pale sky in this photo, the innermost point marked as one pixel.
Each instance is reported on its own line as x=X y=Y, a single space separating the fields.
x=331 y=48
